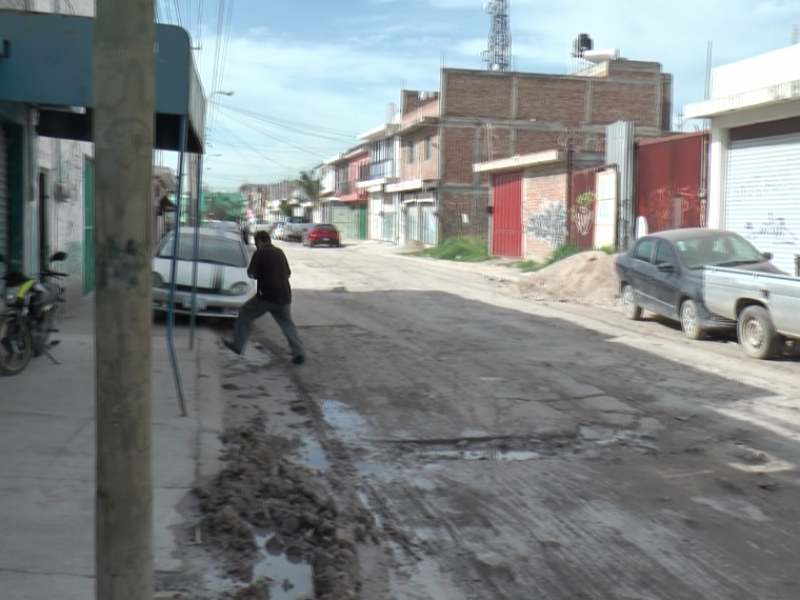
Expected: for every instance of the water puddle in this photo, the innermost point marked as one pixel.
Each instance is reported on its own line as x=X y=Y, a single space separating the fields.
x=498 y=455
x=372 y=468
x=314 y=456
x=349 y=425
x=293 y=578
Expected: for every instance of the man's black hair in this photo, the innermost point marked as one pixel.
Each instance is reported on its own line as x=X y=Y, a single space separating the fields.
x=263 y=237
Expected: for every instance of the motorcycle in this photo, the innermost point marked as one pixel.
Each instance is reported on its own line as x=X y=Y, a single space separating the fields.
x=27 y=322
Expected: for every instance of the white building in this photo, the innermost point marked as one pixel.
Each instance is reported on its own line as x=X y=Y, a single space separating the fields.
x=754 y=157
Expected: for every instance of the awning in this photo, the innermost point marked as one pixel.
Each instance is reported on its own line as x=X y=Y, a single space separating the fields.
x=774 y=94
x=49 y=65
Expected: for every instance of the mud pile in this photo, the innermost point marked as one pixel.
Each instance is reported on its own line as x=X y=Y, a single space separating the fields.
x=586 y=278
x=260 y=487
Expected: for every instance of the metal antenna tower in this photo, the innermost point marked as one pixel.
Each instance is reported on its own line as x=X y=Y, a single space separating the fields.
x=498 y=53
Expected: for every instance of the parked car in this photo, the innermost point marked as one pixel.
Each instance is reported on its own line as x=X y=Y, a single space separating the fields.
x=663 y=273
x=322 y=233
x=222 y=281
x=764 y=306
x=295 y=228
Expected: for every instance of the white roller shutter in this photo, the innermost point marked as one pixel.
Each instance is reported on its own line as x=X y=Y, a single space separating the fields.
x=340 y=218
x=762 y=196
x=375 y=217
x=4 y=200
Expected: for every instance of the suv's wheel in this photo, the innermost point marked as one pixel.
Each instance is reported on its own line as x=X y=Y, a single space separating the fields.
x=629 y=307
x=757 y=333
x=690 y=320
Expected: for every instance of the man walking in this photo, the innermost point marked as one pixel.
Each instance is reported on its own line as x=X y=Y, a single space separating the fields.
x=270 y=269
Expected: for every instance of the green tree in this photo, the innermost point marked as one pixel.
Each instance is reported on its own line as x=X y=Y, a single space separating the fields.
x=224 y=207
x=309 y=184
x=286 y=208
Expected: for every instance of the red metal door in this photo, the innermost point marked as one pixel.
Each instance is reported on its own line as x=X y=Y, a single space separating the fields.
x=507 y=228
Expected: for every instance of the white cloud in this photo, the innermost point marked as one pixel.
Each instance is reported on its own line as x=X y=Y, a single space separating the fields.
x=344 y=81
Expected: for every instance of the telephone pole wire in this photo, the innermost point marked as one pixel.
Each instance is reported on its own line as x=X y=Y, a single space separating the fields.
x=124 y=46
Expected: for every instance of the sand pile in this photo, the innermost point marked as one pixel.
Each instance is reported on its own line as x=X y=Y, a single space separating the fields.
x=586 y=278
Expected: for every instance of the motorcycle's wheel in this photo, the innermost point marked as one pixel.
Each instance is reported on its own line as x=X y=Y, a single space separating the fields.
x=15 y=344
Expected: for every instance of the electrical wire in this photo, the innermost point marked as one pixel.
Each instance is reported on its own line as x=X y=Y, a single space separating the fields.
x=271 y=135
x=297 y=126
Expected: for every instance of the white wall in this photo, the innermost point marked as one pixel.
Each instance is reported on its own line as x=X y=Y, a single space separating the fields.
x=758 y=72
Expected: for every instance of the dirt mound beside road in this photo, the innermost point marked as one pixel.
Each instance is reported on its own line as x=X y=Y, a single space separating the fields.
x=586 y=278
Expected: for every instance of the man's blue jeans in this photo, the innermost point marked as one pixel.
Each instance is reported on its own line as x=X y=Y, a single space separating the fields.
x=256 y=308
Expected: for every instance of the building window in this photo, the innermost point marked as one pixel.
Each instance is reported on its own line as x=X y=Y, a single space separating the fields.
x=428 y=147
x=410 y=153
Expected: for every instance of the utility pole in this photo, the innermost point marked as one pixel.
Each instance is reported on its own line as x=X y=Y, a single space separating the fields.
x=124 y=57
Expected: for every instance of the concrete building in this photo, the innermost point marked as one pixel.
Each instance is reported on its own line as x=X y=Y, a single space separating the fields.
x=46 y=154
x=374 y=176
x=754 y=156
x=354 y=223
x=482 y=116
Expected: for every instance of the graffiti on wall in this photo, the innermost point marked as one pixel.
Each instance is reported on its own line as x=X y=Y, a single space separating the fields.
x=582 y=213
x=661 y=208
x=773 y=229
x=550 y=224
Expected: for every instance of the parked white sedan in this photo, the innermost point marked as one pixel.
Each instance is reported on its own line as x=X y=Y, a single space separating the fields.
x=222 y=282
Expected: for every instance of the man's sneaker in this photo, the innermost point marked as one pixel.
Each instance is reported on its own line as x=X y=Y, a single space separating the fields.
x=230 y=346
x=299 y=360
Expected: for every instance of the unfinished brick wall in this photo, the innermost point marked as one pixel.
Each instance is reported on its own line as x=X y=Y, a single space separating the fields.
x=415 y=107
x=544 y=211
x=552 y=99
x=421 y=167
x=478 y=94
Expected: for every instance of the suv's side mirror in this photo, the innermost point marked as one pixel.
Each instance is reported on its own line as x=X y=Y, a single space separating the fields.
x=58 y=256
x=666 y=267
x=767 y=255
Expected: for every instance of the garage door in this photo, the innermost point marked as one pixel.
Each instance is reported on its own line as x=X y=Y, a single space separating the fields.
x=4 y=201
x=762 y=196
x=389 y=221
x=375 y=219
x=340 y=218
x=507 y=215
x=430 y=227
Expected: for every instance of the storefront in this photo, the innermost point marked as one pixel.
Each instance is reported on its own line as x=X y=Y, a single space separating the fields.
x=416 y=217
x=754 y=156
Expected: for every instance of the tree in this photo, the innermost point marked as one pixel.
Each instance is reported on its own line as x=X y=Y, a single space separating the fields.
x=224 y=207
x=310 y=184
x=286 y=208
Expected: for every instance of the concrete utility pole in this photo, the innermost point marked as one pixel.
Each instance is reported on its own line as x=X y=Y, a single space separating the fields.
x=124 y=48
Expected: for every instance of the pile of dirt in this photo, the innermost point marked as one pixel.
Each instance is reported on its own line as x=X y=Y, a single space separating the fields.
x=260 y=487
x=586 y=278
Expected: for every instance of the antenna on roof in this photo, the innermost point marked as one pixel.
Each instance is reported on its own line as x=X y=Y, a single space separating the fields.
x=498 y=53
x=794 y=35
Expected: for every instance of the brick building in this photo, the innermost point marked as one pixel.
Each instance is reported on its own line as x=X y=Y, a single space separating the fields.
x=481 y=116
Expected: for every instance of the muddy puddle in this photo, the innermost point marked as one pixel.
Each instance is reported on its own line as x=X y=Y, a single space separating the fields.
x=313 y=455
x=293 y=578
x=287 y=577
x=349 y=425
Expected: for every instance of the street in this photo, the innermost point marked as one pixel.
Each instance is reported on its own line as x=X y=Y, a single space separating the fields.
x=482 y=446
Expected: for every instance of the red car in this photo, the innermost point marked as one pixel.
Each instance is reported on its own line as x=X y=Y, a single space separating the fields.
x=322 y=233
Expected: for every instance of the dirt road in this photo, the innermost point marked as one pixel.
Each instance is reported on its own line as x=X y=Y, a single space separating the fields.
x=485 y=447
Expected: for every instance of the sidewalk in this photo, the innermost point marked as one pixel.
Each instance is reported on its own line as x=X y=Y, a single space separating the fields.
x=47 y=458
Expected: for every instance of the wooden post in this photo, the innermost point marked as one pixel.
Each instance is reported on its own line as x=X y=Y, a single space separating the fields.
x=124 y=46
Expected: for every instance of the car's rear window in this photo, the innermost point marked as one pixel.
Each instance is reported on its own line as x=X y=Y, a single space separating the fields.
x=216 y=250
x=325 y=227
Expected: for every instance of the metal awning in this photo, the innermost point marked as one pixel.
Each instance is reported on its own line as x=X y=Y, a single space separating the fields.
x=49 y=65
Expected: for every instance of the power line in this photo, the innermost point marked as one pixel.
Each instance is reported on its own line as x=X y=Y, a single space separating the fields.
x=307 y=128
x=272 y=135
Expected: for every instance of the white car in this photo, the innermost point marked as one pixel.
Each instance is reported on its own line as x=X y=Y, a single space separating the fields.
x=222 y=281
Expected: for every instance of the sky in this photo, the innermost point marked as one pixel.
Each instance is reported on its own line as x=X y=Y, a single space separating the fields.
x=308 y=76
